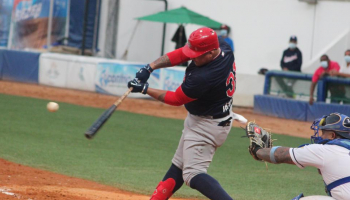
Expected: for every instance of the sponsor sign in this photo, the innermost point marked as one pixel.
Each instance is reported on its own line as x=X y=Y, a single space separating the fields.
x=172 y=78
x=112 y=78
x=52 y=71
x=81 y=75
x=31 y=22
x=5 y=21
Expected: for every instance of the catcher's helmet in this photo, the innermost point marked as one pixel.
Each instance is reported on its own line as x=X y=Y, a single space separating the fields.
x=339 y=123
x=201 y=41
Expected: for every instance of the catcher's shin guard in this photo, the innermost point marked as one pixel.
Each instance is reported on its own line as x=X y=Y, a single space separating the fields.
x=164 y=190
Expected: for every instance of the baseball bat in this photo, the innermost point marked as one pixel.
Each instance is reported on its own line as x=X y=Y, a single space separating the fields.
x=91 y=132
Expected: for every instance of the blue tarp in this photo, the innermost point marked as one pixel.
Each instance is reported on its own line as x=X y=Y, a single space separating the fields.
x=19 y=66
x=76 y=21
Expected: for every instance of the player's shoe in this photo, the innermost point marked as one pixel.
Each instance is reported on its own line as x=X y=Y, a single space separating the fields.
x=164 y=190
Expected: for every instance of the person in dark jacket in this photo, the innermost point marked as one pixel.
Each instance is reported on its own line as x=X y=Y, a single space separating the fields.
x=291 y=61
x=292 y=57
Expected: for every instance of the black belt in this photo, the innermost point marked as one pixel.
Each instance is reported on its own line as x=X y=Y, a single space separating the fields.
x=221 y=115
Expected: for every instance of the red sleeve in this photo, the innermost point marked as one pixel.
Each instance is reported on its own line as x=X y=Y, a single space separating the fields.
x=337 y=66
x=317 y=74
x=177 y=98
x=177 y=57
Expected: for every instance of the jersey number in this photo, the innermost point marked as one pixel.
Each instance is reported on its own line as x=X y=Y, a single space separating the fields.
x=231 y=80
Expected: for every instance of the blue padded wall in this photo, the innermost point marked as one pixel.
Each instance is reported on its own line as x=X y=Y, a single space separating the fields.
x=280 y=107
x=294 y=109
x=21 y=66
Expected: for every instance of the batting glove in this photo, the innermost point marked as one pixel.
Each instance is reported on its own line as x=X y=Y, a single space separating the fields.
x=138 y=86
x=143 y=74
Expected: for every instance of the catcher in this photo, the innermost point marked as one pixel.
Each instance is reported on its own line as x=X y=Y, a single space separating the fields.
x=328 y=152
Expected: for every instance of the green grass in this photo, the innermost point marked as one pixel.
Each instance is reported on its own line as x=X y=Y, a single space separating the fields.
x=134 y=151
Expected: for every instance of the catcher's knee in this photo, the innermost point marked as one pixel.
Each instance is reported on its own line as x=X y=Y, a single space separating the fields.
x=164 y=190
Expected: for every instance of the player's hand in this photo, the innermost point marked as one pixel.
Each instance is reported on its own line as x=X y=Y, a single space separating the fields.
x=143 y=74
x=138 y=86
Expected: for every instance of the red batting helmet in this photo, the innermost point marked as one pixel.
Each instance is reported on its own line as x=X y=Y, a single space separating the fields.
x=201 y=41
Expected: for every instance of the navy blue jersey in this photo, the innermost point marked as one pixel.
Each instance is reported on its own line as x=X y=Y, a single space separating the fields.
x=212 y=85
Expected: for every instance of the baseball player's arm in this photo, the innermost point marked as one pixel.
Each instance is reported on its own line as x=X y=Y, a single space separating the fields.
x=176 y=98
x=170 y=59
x=281 y=154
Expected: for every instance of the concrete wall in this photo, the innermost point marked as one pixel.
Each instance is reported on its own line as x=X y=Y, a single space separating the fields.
x=248 y=85
x=260 y=29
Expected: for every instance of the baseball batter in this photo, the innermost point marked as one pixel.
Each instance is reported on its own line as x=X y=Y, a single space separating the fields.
x=330 y=153
x=206 y=92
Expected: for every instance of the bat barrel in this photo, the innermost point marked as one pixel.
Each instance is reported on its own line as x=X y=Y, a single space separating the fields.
x=91 y=132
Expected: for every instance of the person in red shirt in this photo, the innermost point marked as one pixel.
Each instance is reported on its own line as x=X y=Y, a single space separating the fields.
x=327 y=66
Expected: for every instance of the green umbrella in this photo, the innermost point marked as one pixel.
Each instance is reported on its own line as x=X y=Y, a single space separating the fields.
x=182 y=16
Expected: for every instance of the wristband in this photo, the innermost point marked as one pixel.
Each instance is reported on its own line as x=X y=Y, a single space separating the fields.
x=272 y=154
x=149 y=68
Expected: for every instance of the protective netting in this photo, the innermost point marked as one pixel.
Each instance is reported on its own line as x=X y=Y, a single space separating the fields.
x=291 y=88
x=338 y=93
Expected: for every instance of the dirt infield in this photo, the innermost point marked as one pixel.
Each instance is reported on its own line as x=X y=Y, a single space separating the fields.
x=21 y=182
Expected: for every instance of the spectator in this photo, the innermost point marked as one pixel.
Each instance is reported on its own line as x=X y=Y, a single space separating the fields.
x=343 y=92
x=224 y=31
x=344 y=71
x=326 y=68
x=291 y=61
x=292 y=57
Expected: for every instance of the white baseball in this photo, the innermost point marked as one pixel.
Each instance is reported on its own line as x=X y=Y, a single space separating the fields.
x=52 y=106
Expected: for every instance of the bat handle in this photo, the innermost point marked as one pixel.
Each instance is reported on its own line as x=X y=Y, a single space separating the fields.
x=123 y=97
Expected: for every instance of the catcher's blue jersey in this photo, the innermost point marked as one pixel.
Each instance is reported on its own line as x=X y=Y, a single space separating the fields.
x=212 y=85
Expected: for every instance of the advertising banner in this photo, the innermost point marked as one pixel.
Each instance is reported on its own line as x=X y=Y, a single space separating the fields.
x=112 y=78
x=53 y=70
x=81 y=74
x=172 y=78
x=5 y=21
x=30 y=20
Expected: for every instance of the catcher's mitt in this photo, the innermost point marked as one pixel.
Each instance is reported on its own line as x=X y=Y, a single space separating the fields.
x=259 y=138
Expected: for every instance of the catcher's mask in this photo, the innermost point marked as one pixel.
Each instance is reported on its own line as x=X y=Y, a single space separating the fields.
x=339 y=123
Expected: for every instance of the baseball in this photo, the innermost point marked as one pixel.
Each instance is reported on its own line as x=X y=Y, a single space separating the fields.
x=52 y=106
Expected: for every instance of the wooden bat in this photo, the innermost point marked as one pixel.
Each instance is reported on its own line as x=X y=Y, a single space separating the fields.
x=91 y=132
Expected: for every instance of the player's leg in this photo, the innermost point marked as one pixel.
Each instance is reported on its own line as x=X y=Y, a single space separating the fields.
x=164 y=190
x=175 y=173
x=209 y=187
x=197 y=158
x=172 y=180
